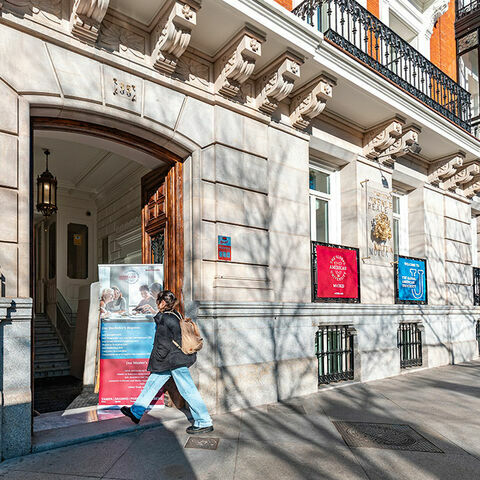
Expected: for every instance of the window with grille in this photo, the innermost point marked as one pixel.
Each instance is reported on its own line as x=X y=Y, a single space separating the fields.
x=334 y=350
x=409 y=342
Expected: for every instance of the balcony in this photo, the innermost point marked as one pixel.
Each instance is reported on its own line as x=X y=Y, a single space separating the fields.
x=466 y=7
x=359 y=33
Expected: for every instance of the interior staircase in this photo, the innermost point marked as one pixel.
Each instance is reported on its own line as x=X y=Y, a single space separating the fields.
x=51 y=358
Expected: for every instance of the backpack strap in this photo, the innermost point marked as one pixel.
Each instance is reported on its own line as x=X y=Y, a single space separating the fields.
x=176 y=314
x=179 y=319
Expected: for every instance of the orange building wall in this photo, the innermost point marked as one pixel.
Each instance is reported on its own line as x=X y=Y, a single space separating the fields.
x=442 y=43
x=285 y=3
x=373 y=6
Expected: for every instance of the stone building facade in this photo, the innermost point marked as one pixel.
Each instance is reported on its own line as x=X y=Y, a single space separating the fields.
x=247 y=102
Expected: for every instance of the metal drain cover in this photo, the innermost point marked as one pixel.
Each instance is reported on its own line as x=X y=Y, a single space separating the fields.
x=205 y=443
x=384 y=435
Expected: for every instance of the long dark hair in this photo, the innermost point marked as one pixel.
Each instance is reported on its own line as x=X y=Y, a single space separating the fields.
x=169 y=298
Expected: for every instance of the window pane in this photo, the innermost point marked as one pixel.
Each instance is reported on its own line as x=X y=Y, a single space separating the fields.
x=77 y=251
x=321 y=217
x=396 y=204
x=396 y=235
x=468 y=77
x=158 y=247
x=319 y=181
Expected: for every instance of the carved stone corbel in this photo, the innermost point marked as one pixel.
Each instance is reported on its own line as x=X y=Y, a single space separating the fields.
x=382 y=136
x=472 y=190
x=236 y=62
x=276 y=82
x=445 y=167
x=87 y=16
x=311 y=100
x=400 y=145
x=463 y=176
x=172 y=34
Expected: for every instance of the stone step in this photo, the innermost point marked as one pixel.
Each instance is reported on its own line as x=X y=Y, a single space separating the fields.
x=47 y=342
x=51 y=364
x=50 y=372
x=50 y=356
x=40 y=330
x=53 y=348
x=46 y=336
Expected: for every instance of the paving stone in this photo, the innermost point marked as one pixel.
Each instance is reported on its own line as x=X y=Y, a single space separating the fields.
x=91 y=459
x=155 y=457
x=287 y=462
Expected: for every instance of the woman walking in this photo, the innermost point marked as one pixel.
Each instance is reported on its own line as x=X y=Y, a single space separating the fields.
x=167 y=360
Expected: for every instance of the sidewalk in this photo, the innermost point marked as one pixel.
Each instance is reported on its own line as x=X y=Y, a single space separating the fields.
x=431 y=430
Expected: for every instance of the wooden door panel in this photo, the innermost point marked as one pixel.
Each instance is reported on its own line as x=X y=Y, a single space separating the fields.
x=162 y=212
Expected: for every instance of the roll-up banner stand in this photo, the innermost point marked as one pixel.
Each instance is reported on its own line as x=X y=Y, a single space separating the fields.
x=127 y=328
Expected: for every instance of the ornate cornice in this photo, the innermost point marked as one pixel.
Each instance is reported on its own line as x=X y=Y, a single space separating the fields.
x=433 y=13
x=445 y=167
x=277 y=81
x=310 y=101
x=87 y=16
x=236 y=63
x=172 y=34
x=463 y=177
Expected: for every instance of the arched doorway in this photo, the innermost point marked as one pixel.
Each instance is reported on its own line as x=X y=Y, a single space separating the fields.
x=120 y=200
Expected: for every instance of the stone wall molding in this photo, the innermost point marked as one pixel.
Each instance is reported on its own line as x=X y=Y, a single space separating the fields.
x=310 y=101
x=172 y=34
x=445 y=167
x=276 y=82
x=236 y=62
x=87 y=16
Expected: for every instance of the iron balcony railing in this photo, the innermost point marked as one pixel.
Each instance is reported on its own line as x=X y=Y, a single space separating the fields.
x=409 y=342
x=360 y=33
x=465 y=7
x=334 y=350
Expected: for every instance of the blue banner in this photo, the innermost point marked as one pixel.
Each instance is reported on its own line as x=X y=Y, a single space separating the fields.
x=126 y=339
x=412 y=283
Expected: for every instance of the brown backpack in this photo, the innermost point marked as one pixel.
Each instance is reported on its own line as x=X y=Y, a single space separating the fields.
x=192 y=342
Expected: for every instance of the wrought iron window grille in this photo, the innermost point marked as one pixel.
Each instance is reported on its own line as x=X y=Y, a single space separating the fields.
x=409 y=342
x=476 y=286
x=334 y=351
x=354 y=29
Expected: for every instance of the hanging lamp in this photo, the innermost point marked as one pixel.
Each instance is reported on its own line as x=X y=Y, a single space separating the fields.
x=46 y=190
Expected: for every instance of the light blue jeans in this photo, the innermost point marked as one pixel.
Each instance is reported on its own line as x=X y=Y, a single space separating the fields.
x=185 y=386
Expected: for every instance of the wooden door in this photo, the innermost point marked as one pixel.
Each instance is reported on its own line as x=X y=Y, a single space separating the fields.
x=162 y=224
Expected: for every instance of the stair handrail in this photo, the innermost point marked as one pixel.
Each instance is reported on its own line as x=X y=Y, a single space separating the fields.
x=65 y=309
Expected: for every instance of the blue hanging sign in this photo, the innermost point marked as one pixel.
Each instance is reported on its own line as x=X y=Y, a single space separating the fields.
x=411 y=280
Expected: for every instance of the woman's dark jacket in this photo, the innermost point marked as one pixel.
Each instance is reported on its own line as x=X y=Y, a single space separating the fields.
x=165 y=354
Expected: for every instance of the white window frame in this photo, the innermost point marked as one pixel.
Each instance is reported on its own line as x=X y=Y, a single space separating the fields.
x=402 y=217
x=333 y=203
